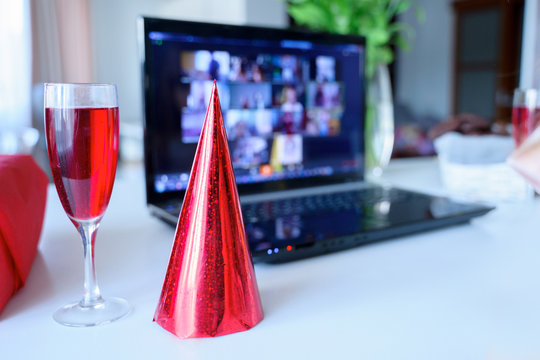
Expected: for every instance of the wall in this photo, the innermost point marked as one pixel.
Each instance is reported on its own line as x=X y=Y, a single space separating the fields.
x=424 y=73
x=272 y=13
x=116 y=57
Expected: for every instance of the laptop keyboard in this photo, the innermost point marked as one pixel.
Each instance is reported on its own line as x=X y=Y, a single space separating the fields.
x=321 y=203
x=332 y=202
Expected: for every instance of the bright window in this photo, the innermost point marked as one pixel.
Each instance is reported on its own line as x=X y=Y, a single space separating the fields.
x=15 y=63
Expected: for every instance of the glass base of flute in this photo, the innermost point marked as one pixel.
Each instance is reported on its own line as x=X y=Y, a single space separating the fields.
x=93 y=309
x=100 y=313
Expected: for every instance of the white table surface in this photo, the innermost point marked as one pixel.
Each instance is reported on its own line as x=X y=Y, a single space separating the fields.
x=467 y=292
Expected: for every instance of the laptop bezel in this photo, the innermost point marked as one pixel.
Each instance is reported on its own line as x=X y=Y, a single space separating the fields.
x=148 y=24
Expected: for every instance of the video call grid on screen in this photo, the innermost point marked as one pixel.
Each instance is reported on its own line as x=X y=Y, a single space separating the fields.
x=292 y=109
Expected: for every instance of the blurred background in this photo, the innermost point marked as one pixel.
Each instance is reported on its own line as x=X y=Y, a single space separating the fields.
x=464 y=56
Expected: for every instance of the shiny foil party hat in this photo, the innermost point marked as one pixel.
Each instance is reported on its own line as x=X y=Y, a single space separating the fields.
x=210 y=287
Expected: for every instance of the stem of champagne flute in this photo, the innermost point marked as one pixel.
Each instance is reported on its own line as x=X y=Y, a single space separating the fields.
x=92 y=295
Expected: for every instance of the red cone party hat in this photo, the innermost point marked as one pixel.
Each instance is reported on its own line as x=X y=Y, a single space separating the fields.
x=210 y=287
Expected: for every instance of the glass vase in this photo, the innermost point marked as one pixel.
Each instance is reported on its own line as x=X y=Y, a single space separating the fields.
x=379 y=129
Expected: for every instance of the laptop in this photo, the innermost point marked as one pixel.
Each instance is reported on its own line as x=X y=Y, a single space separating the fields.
x=293 y=107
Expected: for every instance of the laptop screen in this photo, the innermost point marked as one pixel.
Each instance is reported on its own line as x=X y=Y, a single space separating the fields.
x=292 y=102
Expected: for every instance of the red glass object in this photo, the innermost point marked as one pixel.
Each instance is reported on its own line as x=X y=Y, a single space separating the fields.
x=210 y=287
x=523 y=122
x=524 y=114
x=84 y=172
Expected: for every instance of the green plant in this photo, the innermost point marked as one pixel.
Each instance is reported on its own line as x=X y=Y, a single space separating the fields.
x=373 y=19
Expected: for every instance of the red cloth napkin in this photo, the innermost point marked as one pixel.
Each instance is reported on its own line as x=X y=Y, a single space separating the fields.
x=23 y=193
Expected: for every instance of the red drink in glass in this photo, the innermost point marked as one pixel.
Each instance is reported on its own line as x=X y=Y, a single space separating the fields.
x=522 y=123
x=524 y=114
x=83 y=158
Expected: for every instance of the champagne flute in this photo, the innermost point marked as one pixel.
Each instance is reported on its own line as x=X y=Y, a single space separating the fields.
x=524 y=115
x=81 y=125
